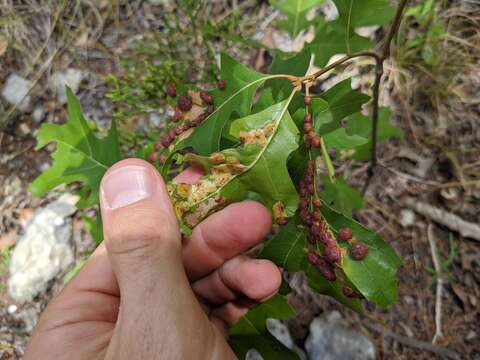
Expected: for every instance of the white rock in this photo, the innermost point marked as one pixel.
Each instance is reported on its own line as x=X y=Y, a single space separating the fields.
x=367 y=31
x=44 y=251
x=16 y=90
x=157 y=119
x=12 y=309
x=281 y=333
x=38 y=114
x=330 y=339
x=407 y=217
x=329 y=10
x=71 y=78
x=253 y=354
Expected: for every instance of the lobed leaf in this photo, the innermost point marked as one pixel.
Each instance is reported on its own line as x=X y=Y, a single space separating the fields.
x=332 y=38
x=234 y=102
x=287 y=248
x=374 y=276
x=261 y=169
x=79 y=156
x=296 y=11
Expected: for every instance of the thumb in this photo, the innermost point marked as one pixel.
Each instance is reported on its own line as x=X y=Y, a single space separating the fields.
x=157 y=304
x=140 y=228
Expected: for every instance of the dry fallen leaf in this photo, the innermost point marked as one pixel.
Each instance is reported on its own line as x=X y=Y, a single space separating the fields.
x=3 y=45
x=8 y=240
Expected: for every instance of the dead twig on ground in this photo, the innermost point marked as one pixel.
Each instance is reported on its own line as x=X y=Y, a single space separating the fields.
x=440 y=280
x=411 y=342
x=452 y=221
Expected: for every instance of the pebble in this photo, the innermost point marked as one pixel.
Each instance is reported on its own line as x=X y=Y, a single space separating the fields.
x=38 y=114
x=331 y=339
x=16 y=90
x=71 y=78
x=407 y=217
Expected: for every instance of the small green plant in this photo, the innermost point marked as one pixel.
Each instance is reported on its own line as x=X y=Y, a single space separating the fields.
x=4 y=263
x=260 y=136
x=445 y=264
x=4 y=260
x=172 y=55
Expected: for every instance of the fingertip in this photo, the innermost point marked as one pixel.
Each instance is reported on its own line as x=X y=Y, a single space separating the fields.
x=261 y=279
x=252 y=219
x=129 y=181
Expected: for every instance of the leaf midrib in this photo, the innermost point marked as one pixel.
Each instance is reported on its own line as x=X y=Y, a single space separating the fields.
x=88 y=156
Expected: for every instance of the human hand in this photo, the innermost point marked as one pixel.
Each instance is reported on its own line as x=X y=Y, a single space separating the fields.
x=146 y=293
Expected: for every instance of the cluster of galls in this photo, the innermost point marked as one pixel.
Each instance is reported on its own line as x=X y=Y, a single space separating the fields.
x=358 y=251
x=311 y=138
x=318 y=229
x=183 y=106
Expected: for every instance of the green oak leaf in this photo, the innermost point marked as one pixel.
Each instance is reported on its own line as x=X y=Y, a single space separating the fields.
x=268 y=173
x=80 y=155
x=333 y=289
x=339 y=36
x=357 y=13
x=286 y=248
x=333 y=38
x=340 y=196
x=263 y=168
x=361 y=125
x=234 y=102
x=340 y=140
x=296 y=11
x=374 y=276
x=251 y=332
x=343 y=100
x=334 y=105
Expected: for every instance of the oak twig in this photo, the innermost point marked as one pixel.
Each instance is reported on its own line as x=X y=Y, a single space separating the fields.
x=384 y=54
x=333 y=65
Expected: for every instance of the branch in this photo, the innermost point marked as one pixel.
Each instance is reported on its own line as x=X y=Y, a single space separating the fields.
x=384 y=54
x=332 y=66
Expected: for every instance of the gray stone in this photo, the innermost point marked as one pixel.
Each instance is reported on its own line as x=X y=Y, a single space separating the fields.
x=16 y=90
x=157 y=119
x=329 y=10
x=71 y=78
x=330 y=339
x=407 y=217
x=38 y=114
x=282 y=334
x=44 y=251
x=280 y=331
x=253 y=355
